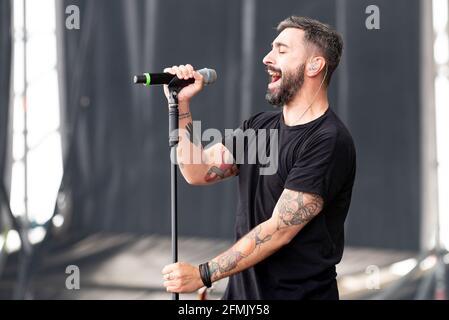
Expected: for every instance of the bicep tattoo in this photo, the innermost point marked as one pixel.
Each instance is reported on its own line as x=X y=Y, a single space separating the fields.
x=222 y=170
x=296 y=208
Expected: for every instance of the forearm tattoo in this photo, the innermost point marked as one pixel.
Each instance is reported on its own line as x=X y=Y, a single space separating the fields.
x=293 y=210
x=226 y=262
x=255 y=234
x=229 y=260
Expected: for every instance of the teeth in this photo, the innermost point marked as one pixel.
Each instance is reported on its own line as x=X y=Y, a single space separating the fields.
x=274 y=74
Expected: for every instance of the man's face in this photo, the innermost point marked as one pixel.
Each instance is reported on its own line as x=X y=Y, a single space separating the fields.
x=285 y=65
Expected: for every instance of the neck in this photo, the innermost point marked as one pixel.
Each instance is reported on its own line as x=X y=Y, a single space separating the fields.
x=306 y=106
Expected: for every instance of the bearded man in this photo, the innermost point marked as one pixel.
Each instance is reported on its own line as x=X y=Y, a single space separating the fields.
x=290 y=224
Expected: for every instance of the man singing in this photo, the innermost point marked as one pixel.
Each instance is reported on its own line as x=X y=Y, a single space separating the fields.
x=290 y=224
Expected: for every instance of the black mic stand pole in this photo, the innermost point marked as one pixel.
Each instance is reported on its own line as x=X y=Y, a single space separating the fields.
x=174 y=87
x=173 y=125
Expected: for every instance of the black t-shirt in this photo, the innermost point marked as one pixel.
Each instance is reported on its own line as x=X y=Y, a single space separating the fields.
x=317 y=157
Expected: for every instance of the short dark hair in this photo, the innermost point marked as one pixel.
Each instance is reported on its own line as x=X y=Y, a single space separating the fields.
x=327 y=40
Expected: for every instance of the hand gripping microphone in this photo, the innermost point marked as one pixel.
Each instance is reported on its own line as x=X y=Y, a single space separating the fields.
x=151 y=79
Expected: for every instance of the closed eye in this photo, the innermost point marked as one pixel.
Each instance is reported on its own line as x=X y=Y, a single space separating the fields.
x=281 y=47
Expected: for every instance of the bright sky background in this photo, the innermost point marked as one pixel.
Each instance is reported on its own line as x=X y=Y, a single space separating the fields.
x=44 y=141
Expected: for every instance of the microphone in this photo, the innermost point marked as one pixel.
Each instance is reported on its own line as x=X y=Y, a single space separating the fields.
x=151 y=79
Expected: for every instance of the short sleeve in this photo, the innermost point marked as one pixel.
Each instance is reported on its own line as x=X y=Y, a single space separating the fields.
x=231 y=138
x=313 y=167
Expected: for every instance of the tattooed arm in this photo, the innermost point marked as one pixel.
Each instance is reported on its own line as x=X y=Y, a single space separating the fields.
x=198 y=166
x=201 y=166
x=292 y=212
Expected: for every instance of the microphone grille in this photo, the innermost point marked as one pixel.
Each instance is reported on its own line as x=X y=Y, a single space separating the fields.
x=210 y=75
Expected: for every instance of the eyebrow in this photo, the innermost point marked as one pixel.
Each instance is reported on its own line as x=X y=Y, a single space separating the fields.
x=279 y=44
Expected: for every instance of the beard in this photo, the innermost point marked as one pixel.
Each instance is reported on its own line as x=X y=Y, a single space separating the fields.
x=291 y=83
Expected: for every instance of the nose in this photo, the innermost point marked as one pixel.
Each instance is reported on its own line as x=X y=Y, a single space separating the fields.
x=268 y=59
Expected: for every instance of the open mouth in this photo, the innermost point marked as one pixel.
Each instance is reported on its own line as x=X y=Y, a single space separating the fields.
x=275 y=76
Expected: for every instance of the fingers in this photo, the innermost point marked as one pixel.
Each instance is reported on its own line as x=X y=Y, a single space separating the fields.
x=182 y=72
x=181 y=277
x=177 y=285
x=172 y=286
x=173 y=289
x=186 y=72
x=169 y=268
x=173 y=269
x=198 y=76
x=172 y=283
x=172 y=276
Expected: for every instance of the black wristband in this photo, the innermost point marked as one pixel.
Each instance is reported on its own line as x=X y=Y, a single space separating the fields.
x=205 y=274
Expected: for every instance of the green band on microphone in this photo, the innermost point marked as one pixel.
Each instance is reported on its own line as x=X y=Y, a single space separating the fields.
x=148 y=77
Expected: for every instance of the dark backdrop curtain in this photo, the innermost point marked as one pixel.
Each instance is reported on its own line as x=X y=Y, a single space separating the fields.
x=119 y=173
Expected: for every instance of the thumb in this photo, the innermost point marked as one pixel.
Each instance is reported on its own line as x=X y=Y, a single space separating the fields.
x=197 y=75
x=169 y=70
x=199 y=79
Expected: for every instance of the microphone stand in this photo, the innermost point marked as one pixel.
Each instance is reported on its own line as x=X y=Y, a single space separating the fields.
x=174 y=87
x=173 y=125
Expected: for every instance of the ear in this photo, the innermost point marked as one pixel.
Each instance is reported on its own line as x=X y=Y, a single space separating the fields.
x=315 y=66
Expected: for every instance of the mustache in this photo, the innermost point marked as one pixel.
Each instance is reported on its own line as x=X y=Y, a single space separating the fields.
x=270 y=68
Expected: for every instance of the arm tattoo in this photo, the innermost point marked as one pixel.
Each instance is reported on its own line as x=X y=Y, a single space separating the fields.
x=229 y=260
x=218 y=171
x=293 y=211
x=293 y=208
x=192 y=135
x=255 y=235
x=226 y=262
x=223 y=171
